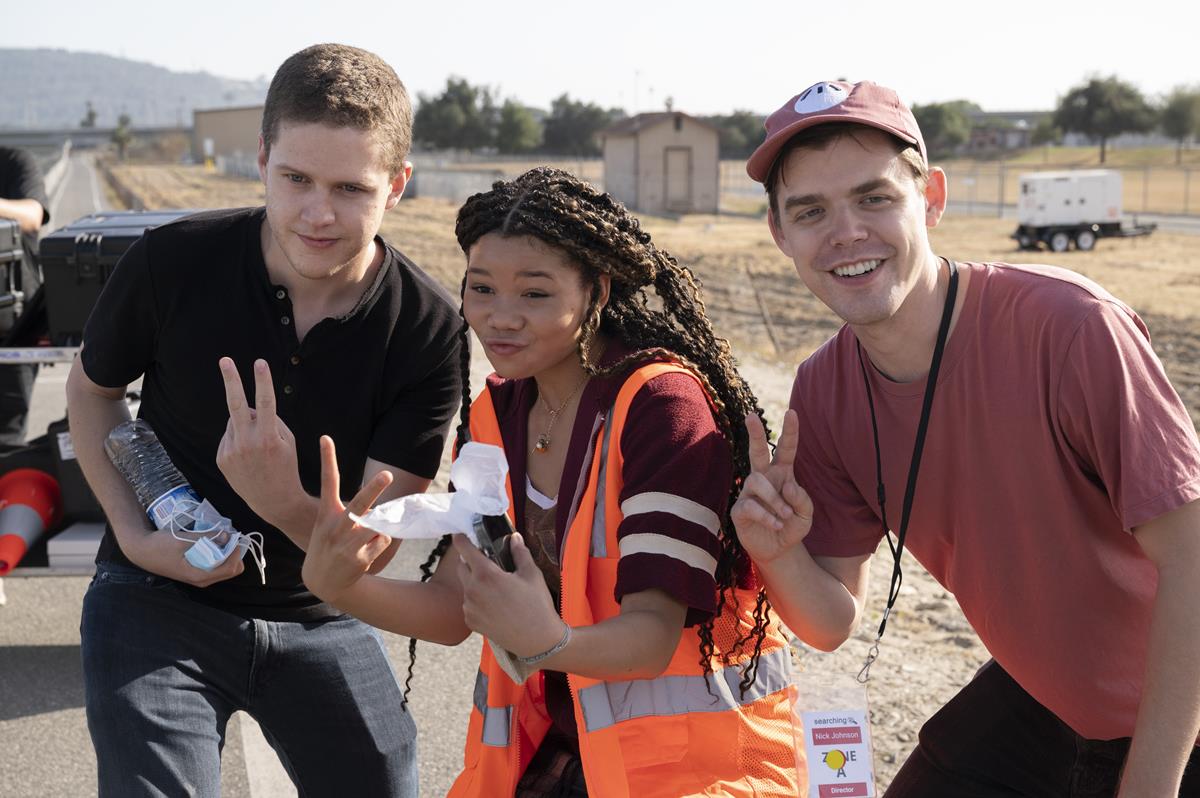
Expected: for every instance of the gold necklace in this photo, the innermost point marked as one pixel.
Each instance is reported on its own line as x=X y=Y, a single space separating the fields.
x=543 y=442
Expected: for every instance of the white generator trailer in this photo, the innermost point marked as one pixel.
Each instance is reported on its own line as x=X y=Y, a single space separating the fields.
x=1061 y=209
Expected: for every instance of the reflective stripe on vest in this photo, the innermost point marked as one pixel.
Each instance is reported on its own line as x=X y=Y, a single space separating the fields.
x=608 y=703
x=496 y=720
x=599 y=530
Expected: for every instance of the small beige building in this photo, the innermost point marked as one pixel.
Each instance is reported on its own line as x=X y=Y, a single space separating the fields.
x=665 y=162
x=226 y=132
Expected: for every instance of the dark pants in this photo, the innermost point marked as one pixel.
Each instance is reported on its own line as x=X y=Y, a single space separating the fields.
x=16 y=388
x=163 y=674
x=993 y=739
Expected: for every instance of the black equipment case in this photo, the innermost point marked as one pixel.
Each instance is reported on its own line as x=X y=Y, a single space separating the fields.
x=77 y=259
x=10 y=241
x=12 y=254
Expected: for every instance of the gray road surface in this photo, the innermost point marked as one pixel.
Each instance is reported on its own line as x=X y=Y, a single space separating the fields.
x=79 y=192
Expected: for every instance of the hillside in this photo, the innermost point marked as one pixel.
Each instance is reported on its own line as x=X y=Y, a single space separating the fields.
x=45 y=88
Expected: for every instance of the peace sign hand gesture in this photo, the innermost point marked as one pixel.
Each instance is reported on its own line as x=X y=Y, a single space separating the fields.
x=257 y=454
x=340 y=551
x=773 y=514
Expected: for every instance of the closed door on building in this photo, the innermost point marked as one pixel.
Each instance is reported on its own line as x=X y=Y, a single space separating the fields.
x=679 y=178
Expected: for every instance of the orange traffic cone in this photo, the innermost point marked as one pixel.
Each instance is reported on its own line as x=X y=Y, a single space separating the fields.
x=30 y=503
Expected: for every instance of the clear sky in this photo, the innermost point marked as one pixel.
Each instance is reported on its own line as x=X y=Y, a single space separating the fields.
x=709 y=57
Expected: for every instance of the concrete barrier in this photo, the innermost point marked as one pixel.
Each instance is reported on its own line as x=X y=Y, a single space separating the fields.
x=54 y=174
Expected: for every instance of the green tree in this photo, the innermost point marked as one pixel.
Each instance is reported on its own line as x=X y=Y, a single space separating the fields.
x=740 y=133
x=572 y=126
x=1046 y=132
x=1103 y=108
x=462 y=117
x=89 y=118
x=518 y=131
x=1181 y=117
x=945 y=126
x=122 y=135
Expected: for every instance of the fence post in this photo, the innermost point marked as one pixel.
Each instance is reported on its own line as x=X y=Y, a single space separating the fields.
x=1145 y=188
x=1000 y=193
x=974 y=189
x=1187 y=184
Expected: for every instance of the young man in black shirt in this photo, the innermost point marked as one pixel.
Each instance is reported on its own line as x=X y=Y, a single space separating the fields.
x=22 y=199
x=335 y=333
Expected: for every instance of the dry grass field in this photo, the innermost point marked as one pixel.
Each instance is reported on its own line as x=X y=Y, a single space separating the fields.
x=751 y=290
x=757 y=302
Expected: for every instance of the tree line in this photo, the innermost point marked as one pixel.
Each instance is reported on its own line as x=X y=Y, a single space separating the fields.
x=468 y=117
x=1100 y=108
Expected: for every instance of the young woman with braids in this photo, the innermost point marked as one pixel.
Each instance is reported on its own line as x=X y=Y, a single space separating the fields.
x=659 y=671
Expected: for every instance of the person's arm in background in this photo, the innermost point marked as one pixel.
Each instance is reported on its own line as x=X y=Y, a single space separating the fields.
x=22 y=190
x=26 y=212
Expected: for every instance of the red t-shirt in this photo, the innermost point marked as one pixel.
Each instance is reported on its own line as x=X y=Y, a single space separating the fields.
x=1054 y=432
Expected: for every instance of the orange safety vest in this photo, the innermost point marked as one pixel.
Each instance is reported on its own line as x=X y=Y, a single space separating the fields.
x=683 y=733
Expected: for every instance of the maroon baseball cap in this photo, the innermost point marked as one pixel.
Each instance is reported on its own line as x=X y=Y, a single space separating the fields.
x=864 y=103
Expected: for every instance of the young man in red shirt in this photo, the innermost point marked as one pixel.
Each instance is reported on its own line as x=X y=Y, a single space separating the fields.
x=1053 y=490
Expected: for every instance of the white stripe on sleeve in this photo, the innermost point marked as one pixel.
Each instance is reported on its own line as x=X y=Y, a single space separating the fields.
x=650 y=543
x=688 y=510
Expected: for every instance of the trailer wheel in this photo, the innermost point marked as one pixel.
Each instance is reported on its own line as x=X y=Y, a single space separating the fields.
x=1085 y=240
x=1026 y=241
x=1060 y=241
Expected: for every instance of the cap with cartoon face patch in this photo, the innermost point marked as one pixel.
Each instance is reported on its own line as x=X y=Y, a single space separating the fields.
x=863 y=103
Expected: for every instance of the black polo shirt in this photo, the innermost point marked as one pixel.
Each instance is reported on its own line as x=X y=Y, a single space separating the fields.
x=383 y=381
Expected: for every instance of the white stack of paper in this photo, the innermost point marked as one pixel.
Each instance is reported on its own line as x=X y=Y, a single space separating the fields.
x=75 y=547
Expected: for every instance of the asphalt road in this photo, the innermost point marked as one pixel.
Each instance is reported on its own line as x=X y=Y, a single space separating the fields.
x=45 y=749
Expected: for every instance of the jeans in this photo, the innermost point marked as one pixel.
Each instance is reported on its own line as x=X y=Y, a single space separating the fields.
x=163 y=674
x=993 y=739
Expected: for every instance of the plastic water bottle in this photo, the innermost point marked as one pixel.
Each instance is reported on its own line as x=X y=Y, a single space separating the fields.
x=136 y=452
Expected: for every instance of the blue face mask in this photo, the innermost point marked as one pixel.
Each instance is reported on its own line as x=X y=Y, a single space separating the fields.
x=206 y=554
x=216 y=541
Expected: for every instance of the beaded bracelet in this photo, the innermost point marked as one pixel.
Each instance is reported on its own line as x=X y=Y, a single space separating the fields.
x=557 y=647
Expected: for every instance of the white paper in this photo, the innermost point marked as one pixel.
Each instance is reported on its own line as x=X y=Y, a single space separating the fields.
x=479 y=476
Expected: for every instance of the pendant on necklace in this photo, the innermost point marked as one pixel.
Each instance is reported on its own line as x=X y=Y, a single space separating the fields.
x=543 y=444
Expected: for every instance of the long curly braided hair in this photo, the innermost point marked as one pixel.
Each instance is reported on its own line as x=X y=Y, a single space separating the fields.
x=602 y=237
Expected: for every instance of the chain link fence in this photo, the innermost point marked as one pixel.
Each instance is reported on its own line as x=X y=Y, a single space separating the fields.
x=976 y=187
x=985 y=188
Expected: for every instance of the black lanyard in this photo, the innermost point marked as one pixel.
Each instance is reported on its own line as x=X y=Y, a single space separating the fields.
x=913 y=468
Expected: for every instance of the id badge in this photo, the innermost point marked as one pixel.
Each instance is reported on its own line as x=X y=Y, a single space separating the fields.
x=830 y=718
